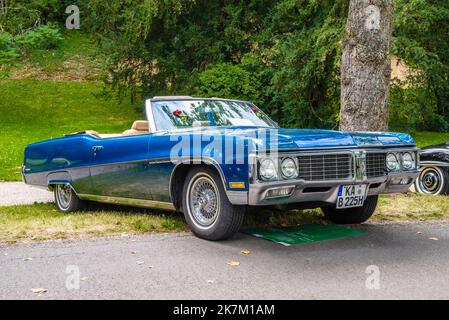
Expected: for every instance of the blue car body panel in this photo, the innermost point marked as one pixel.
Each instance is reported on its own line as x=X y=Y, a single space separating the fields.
x=139 y=166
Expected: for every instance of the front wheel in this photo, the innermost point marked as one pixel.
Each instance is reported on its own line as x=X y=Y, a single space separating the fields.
x=206 y=207
x=66 y=199
x=352 y=215
x=433 y=181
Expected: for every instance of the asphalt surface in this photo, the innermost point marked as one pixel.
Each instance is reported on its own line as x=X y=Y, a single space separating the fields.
x=410 y=265
x=16 y=193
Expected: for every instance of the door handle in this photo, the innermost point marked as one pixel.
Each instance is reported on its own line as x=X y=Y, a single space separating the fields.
x=95 y=149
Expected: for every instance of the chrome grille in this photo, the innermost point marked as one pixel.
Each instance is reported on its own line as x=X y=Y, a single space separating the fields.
x=326 y=167
x=375 y=164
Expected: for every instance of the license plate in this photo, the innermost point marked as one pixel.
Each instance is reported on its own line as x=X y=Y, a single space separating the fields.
x=351 y=196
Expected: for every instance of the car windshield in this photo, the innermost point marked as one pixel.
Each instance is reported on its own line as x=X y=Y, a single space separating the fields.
x=169 y=115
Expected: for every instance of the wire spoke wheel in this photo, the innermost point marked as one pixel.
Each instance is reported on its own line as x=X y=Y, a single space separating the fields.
x=64 y=195
x=206 y=206
x=204 y=200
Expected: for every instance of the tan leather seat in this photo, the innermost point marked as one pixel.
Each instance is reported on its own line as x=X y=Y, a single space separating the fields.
x=138 y=127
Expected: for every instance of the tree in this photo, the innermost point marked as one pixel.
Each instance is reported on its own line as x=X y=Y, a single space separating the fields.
x=302 y=52
x=161 y=47
x=421 y=42
x=366 y=66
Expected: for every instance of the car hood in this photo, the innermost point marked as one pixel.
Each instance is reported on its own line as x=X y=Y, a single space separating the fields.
x=289 y=139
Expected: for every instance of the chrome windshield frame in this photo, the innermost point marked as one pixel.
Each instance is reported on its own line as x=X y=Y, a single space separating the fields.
x=152 y=121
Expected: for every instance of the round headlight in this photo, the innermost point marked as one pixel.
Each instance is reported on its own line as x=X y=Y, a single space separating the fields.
x=288 y=168
x=407 y=161
x=392 y=162
x=267 y=169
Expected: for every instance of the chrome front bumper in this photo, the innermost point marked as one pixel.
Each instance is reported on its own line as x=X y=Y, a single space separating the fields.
x=325 y=192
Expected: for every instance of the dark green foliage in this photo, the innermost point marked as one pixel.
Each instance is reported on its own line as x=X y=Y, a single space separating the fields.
x=303 y=45
x=422 y=41
x=27 y=25
x=243 y=81
x=282 y=54
x=412 y=108
x=7 y=50
x=22 y=15
x=43 y=37
x=166 y=44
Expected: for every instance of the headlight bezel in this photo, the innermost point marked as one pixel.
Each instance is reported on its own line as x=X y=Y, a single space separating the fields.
x=397 y=167
x=412 y=161
x=400 y=156
x=280 y=173
x=295 y=172
x=265 y=177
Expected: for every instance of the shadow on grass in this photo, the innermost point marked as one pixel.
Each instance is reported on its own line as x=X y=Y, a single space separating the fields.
x=255 y=217
x=127 y=210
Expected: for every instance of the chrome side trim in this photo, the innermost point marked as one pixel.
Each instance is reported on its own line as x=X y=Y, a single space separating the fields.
x=326 y=150
x=196 y=161
x=360 y=165
x=381 y=185
x=150 y=116
x=395 y=149
x=129 y=202
x=434 y=163
x=52 y=183
x=56 y=177
x=238 y=197
x=188 y=98
x=171 y=97
x=149 y=161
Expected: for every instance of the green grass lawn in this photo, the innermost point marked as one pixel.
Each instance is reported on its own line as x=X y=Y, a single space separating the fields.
x=45 y=222
x=32 y=110
x=75 y=47
x=77 y=58
x=426 y=138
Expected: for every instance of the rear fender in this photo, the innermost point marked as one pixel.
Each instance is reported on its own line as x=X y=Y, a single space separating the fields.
x=62 y=177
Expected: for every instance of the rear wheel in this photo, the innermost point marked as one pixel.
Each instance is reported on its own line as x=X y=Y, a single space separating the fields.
x=206 y=207
x=433 y=180
x=352 y=215
x=66 y=199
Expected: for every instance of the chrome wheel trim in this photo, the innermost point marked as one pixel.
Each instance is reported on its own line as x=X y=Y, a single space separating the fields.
x=430 y=181
x=64 y=196
x=203 y=201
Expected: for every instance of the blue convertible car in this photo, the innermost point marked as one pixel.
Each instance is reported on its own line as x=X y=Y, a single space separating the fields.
x=212 y=158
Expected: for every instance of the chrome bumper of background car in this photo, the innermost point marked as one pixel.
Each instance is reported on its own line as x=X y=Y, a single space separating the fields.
x=325 y=191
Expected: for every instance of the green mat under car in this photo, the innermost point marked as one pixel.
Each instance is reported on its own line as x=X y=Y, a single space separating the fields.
x=304 y=234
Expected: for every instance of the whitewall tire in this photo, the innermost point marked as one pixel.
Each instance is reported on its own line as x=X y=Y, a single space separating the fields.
x=206 y=207
x=66 y=199
x=433 y=181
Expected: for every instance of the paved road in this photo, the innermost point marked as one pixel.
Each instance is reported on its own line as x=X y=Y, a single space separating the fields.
x=13 y=193
x=184 y=267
